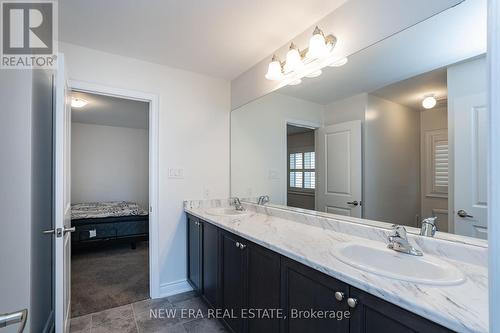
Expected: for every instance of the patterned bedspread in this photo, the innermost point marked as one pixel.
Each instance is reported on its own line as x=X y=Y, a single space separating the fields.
x=92 y=210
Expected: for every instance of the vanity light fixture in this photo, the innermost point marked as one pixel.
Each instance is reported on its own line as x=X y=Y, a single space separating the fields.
x=429 y=101
x=338 y=62
x=274 y=71
x=293 y=59
x=317 y=45
x=305 y=63
x=78 y=102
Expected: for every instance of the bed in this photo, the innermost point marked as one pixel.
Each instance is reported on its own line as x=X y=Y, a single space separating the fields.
x=97 y=223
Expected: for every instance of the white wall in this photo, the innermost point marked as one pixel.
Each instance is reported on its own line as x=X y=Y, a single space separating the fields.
x=258 y=146
x=391 y=162
x=348 y=109
x=193 y=135
x=109 y=163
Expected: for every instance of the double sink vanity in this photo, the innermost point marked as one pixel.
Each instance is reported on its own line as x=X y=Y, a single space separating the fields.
x=281 y=270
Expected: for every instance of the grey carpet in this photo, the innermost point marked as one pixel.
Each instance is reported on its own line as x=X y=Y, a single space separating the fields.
x=108 y=277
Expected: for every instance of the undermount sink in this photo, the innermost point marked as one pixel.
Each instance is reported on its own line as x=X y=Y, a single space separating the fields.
x=223 y=211
x=376 y=258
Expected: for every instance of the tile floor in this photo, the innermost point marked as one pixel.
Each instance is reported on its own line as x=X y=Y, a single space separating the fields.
x=136 y=318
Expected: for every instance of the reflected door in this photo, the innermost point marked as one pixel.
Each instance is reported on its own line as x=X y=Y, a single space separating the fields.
x=471 y=172
x=338 y=169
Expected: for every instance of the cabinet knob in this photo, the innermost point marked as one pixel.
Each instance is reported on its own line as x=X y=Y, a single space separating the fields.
x=339 y=296
x=352 y=302
x=237 y=244
x=242 y=246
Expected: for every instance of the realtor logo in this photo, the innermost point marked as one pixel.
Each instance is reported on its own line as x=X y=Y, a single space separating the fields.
x=28 y=30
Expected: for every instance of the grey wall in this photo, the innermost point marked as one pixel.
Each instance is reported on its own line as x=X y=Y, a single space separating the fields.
x=15 y=97
x=391 y=162
x=26 y=196
x=41 y=202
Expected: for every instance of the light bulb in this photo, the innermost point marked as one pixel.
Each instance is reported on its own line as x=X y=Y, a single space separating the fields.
x=315 y=73
x=317 y=45
x=338 y=62
x=293 y=60
x=274 y=70
x=295 y=82
x=429 y=102
x=78 y=102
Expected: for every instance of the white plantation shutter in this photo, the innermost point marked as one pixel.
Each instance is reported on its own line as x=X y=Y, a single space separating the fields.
x=302 y=170
x=441 y=165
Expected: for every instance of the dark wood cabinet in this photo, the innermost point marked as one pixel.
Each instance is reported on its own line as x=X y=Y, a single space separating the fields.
x=234 y=274
x=234 y=260
x=263 y=288
x=210 y=263
x=194 y=245
x=374 y=315
x=304 y=292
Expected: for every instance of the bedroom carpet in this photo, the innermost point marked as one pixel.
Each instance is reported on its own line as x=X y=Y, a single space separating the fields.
x=108 y=277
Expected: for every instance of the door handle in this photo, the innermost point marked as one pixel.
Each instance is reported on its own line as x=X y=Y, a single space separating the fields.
x=462 y=213
x=59 y=231
x=353 y=203
x=7 y=319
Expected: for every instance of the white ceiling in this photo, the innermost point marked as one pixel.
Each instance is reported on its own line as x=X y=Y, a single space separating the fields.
x=110 y=111
x=220 y=38
x=457 y=34
x=412 y=91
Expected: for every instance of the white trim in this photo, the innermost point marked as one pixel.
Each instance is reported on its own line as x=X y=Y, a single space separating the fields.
x=154 y=107
x=175 y=287
x=494 y=163
x=284 y=148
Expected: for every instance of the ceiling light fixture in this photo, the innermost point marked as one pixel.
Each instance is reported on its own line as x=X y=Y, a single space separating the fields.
x=78 y=102
x=429 y=101
x=305 y=63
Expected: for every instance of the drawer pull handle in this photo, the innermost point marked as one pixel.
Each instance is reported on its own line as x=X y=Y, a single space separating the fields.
x=352 y=302
x=339 y=296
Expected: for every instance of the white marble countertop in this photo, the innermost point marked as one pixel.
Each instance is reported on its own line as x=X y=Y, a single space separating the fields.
x=462 y=308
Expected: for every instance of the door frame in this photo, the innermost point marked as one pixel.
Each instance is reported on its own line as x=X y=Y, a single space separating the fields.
x=153 y=101
x=493 y=57
x=284 y=149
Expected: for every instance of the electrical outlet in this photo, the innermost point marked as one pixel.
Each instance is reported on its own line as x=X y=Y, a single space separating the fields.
x=176 y=173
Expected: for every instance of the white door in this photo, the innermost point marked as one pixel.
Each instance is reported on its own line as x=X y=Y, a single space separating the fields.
x=62 y=203
x=338 y=169
x=470 y=163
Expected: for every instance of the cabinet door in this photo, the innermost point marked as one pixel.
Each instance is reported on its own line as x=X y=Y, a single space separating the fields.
x=263 y=287
x=194 y=232
x=374 y=315
x=210 y=263
x=304 y=290
x=233 y=281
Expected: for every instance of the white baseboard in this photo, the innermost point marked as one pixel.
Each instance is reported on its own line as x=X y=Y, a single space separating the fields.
x=175 y=287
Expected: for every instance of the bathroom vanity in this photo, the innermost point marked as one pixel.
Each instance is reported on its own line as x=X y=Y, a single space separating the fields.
x=267 y=258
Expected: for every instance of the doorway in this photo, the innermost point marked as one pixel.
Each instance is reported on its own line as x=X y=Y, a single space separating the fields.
x=301 y=173
x=134 y=243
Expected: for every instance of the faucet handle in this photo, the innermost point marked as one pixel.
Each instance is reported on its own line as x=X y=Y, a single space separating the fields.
x=398 y=231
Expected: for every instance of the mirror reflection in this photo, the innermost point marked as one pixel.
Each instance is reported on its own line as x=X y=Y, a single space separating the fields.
x=397 y=135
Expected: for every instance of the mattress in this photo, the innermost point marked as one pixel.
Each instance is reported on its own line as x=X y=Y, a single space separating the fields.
x=106 y=209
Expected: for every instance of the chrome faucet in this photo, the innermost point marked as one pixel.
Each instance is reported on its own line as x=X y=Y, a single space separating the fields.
x=398 y=241
x=237 y=204
x=429 y=227
x=263 y=199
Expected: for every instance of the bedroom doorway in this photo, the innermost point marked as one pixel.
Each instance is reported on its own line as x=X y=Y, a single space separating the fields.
x=113 y=198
